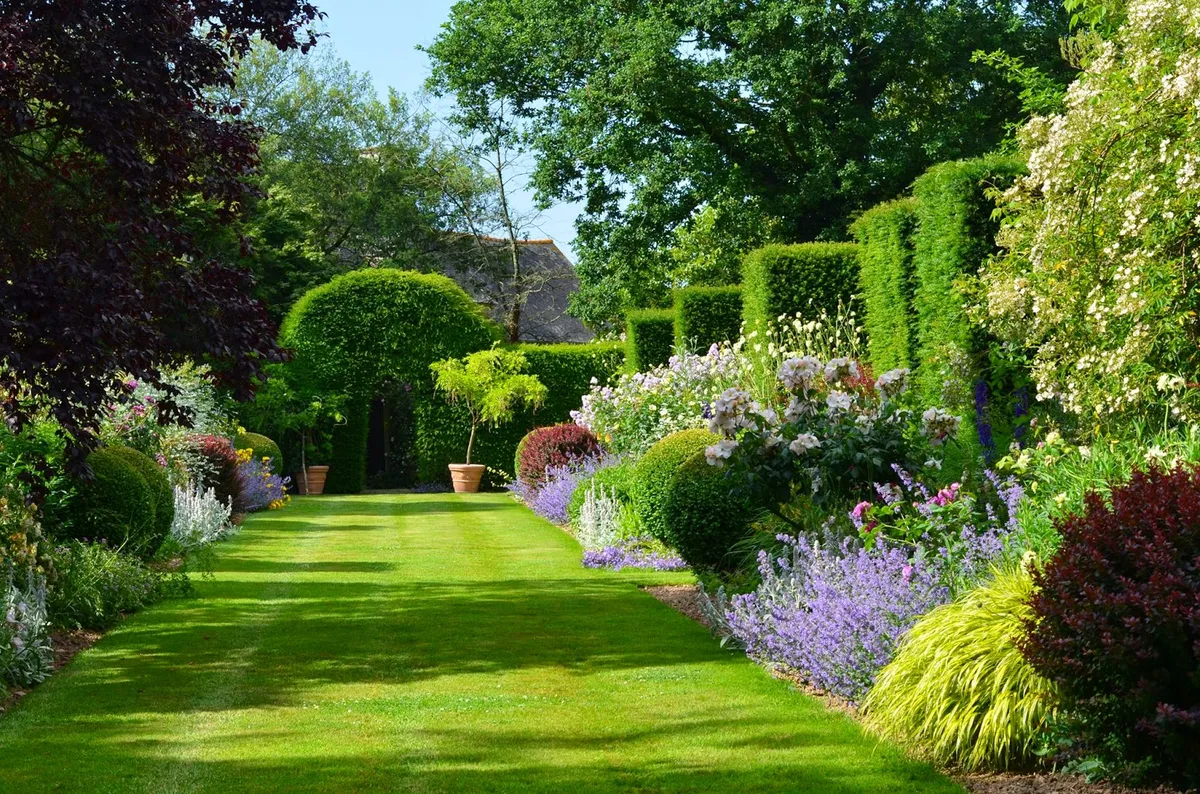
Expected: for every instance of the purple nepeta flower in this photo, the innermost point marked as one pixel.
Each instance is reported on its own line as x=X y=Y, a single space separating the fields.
x=835 y=616
x=550 y=498
x=632 y=554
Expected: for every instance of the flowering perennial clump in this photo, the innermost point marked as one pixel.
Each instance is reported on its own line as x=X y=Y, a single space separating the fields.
x=641 y=408
x=200 y=518
x=261 y=488
x=634 y=553
x=834 y=616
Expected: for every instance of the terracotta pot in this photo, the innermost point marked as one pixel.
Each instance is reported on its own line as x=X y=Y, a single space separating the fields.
x=316 y=481
x=466 y=476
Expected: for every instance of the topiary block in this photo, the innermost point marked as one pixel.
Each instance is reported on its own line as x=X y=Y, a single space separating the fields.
x=162 y=492
x=885 y=282
x=705 y=316
x=261 y=447
x=803 y=278
x=649 y=338
x=116 y=505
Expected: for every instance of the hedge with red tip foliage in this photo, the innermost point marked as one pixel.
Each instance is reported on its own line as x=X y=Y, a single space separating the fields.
x=556 y=445
x=1116 y=625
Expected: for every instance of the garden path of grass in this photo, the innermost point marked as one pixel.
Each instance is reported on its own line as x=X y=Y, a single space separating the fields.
x=426 y=643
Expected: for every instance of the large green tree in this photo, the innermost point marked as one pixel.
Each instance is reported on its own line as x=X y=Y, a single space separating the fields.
x=350 y=179
x=648 y=111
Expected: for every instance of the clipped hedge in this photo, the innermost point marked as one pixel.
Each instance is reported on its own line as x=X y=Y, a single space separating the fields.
x=707 y=315
x=348 y=462
x=885 y=282
x=650 y=337
x=955 y=235
x=160 y=490
x=654 y=472
x=376 y=325
x=262 y=447
x=701 y=519
x=566 y=370
x=116 y=504
x=804 y=277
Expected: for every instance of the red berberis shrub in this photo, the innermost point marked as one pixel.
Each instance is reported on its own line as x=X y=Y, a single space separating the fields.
x=225 y=476
x=1116 y=625
x=557 y=445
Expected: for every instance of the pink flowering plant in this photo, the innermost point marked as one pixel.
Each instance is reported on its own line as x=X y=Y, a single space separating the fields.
x=832 y=433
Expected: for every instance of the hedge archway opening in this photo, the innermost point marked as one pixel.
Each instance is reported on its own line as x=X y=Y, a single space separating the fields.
x=369 y=328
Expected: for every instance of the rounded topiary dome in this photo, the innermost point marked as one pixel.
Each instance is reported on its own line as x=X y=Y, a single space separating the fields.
x=372 y=325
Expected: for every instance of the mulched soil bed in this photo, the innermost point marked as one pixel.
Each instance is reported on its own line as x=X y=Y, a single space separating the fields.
x=686 y=599
x=66 y=645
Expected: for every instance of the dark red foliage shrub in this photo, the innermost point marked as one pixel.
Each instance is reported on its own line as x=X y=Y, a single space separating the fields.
x=556 y=445
x=224 y=476
x=1116 y=625
x=117 y=165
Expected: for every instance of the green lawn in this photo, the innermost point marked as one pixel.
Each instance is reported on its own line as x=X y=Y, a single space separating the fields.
x=427 y=643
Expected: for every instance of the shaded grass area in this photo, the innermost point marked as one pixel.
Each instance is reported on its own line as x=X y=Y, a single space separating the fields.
x=427 y=643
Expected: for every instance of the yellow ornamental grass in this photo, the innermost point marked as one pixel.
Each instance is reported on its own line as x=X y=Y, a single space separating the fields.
x=958 y=692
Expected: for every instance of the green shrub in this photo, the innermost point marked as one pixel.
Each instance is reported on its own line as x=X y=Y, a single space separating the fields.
x=652 y=477
x=650 y=338
x=702 y=519
x=116 y=504
x=705 y=316
x=885 y=282
x=805 y=278
x=958 y=690
x=370 y=326
x=348 y=464
x=565 y=369
x=262 y=447
x=163 y=493
x=955 y=235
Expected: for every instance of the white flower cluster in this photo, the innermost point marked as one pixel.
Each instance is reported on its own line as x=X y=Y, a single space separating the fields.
x=939 y=425
x=200 y=517
x=892 y=383
x=800 y=374
x=1099 y=234
x=599 y=518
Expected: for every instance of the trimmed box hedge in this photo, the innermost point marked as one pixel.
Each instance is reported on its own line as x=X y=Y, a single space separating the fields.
x=885 y=282
x=707 y=315
x=650 y=338
x=801 y=278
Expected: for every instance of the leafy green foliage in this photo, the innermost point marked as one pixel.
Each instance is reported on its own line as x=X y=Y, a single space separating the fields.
x=161 y=492
x=651 y=111
x=328 y=208
x=490 y=384
x=650 y=336
x=958 y=691
x=116 y=504
x=956 y=234
x=707 y=249
x=705 y=316
x=885 y=282
x=617 y=481
x=790 y=279
x=702 y=519
x=654 y=474
x=96 y=585
x=262 y=447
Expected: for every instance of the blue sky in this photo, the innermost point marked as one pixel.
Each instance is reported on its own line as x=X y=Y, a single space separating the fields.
x=381 y=38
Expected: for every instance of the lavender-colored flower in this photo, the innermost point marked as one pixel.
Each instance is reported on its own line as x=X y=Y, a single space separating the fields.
x=939 y=425
x=550 y=498
x=839 y=401
x=803 y=443
x=834 y=617
x=798 y=374
x=632 y=554
x=892 y=383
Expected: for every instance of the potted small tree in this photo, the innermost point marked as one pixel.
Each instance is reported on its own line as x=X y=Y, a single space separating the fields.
x=491 y=384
